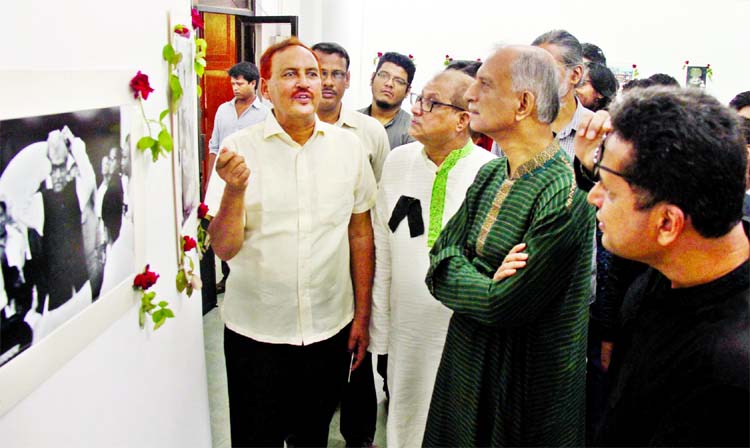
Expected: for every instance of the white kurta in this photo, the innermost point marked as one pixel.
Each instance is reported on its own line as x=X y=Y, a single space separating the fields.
x=407 y=322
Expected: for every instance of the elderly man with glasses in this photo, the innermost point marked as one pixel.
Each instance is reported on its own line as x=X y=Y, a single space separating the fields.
x=423 y=185
x=390 y=84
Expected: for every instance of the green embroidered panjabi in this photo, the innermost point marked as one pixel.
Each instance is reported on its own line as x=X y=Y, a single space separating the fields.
x=513 y=369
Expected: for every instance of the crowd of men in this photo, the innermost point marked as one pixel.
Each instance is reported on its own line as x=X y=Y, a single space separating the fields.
x=585 y=282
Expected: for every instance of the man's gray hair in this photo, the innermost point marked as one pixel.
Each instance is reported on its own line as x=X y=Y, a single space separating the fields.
x=571 y=50
x=536 y=72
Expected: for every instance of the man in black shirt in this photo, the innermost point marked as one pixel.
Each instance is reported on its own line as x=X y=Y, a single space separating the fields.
x=670 y=182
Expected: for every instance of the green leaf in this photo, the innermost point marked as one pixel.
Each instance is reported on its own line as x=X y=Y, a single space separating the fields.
x=200 y=91
x=141 y=317
x=199 y=69
x=145 y=142
x=192 y=265
x=200 y=47
x=163 y=303
x=163 y=114
x=176 y=88
x=201 y=62
x=159 y=323
x=165 y=140
x=168 y=53
x=168 y=312
x=181 y=280
x=155 y=151
x=177 y=58
x=189 y=290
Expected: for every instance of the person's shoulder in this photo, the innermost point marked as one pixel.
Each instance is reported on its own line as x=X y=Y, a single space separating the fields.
x=398 y=160
x=479 y=153
x=408 y=150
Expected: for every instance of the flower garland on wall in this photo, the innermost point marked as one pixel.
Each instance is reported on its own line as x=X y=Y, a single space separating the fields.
x=162 y=144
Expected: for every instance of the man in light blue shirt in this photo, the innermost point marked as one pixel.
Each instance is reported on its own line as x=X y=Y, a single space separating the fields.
x=243 y=111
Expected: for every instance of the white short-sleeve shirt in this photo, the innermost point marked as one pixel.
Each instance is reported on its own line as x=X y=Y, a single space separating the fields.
x=290 y=281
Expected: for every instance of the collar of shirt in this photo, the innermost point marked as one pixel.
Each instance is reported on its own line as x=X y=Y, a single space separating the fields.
x=401 y=115
x=570 y=129
x=347 y=118
x=272 y=127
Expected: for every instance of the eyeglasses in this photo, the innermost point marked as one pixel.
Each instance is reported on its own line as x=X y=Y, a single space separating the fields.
x=338 y=75
x=385 y=77
x=426 y=105
x=598 y=156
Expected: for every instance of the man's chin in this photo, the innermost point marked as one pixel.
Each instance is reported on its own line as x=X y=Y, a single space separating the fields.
x=385 y=104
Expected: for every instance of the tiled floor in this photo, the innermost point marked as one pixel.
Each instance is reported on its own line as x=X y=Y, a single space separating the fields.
x=213 y=331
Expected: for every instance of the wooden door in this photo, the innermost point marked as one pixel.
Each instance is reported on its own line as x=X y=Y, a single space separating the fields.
x=221 y=55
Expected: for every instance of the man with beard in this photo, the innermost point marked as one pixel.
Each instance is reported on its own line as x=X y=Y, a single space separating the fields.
x=292 y=196
x=390 y=84
x=359 y=402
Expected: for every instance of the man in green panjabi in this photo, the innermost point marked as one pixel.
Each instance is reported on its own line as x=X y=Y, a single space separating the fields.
x=513 y=368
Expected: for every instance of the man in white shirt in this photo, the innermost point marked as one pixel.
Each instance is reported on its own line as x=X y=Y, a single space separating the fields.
x=244 y=110
x=423 y=185
x=292 y=196
x=359 y=404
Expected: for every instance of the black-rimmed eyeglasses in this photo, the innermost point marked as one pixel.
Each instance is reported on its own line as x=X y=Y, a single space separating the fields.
x=598 y=156
x=426 y=105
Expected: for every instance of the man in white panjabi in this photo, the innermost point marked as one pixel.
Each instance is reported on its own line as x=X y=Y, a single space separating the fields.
x=422 y=185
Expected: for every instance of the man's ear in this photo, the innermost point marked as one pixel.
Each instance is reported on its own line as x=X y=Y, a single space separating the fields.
x=577 y=76
x=264 y=89
x=348 y=78
x=526 y=104
x=671 y=222
x=372 y=78
x=463 y=121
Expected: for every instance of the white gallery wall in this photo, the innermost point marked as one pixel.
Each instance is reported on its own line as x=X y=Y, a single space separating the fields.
x=123 y=387
x=657 y=36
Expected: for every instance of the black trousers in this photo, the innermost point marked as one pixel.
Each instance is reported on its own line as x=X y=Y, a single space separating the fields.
x=280 y=392
x=359 y=406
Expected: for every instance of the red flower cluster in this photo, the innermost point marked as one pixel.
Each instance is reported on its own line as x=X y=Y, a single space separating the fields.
x=188 y=243
x=197 y=19
x=202 y=210
x=182 y=30
x=140 y=85
x=146 y=279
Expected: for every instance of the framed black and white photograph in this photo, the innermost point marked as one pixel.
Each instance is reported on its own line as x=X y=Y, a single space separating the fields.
x=187 y=139
x=66 y=220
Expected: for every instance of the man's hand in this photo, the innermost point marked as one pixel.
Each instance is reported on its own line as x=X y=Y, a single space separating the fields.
x=359 y=339
x=231 y=167
x=512 y=262
x=590 y=133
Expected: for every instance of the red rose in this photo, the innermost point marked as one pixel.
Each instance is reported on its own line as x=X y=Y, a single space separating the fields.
x=411 y=56
x=634 y=66
x=380 y=53
x=708 y=65
x=202 y=210
x=140 y=85
x=146 y=279
x=188 y=243
x=197 y=19
x=687 y=62
x=182 y=30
